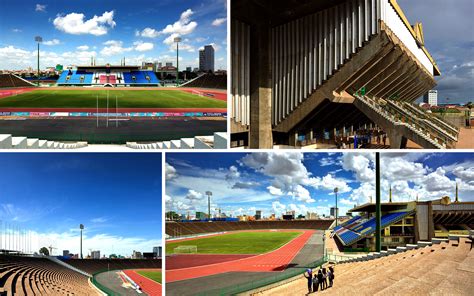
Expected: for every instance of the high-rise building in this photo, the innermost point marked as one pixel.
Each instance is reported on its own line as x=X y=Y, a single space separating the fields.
x=65 y=253
x=189 y=69
x=258 y=215
x=95 y=254
x=431 y=97
x=157 y=252
x=333 y=211
x=169 y=64
x=206 y=59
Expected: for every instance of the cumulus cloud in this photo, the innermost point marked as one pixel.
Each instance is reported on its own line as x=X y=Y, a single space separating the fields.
x=82 y=47
x=143 y=46
x=75 y=24
x=170 y=172
x=219 y=21
x=183 y=26
x=275 y=191
x=51 y=42
x=114 y=47
x=148 y=33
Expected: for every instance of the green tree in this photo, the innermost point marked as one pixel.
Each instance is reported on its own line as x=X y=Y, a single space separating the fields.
x=44 y=251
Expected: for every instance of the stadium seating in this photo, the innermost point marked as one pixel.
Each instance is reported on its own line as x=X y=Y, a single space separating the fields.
x=10 y=142
x=40 y=276
x=140 y=77
x=10 y=80
x=93 y=266
x=74 y=77
x=208 y=81
x=176 y=229
x=356 y=228
x=440 y=267
x=217 y=141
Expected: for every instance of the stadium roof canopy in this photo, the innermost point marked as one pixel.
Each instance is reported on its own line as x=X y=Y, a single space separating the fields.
x=109 y=67
x=386 y=207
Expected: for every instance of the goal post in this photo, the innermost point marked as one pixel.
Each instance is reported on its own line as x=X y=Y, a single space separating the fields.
x=185 y=250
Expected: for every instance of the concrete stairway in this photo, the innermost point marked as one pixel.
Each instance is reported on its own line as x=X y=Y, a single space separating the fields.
x=440 y=267
x=217 y=141
x=391 y=118
x=10 y=142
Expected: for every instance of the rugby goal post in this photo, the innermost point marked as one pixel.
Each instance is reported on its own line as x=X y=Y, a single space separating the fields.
x=185 y=250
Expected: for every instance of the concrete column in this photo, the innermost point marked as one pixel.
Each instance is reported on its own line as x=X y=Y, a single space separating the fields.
x=260 y=132
x=397 y=140
x=309 y=135
x=293 y=139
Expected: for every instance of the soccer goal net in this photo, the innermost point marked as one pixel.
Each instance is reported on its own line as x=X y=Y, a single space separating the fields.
x=185 y=250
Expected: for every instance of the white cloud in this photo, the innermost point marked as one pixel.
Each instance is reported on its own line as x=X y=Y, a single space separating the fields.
x=99 y=220
x=274 y=191
x=40 y=7
x=16 y=30
x=114 y=47
x=233 y=173
x=51 y=42
x=74 y=23
x=170 y=172
x=194 y=196
x=219 y=21
x=83 y=47
x=143 y=46
x=183 y=26
x=148 y=33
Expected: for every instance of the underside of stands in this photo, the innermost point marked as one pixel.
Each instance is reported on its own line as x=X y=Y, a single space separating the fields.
x=177 y=229
x=209 y=81
x=328 y=65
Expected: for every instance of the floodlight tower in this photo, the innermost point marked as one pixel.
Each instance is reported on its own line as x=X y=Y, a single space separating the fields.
x=81 y=227
x=335 y=192
x=38 y=39
x=209 y=194
x=177 y=40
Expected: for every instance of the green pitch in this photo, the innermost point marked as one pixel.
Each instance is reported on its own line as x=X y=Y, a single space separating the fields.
x=237 y=243
x=152 y=275
x=83 y=98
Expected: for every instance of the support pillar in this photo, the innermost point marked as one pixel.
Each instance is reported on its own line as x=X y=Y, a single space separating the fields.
x=293 y=139
x=397 y=140
x=260 y=132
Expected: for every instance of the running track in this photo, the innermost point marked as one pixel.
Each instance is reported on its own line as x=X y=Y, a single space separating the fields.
x=112 y=110
x=277 y=260
x=150 y=287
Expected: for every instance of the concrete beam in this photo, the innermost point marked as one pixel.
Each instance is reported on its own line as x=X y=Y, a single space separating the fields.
x=390 y=74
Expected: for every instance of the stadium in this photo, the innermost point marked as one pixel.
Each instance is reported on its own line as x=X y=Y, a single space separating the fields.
x=402 y=246
x=121 y=105
x=326 y=74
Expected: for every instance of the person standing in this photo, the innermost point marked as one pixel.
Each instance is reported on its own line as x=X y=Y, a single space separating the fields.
x=309 y=276
x=315 y=283
x=331 y=269
x=320 y=279
x=325 y=278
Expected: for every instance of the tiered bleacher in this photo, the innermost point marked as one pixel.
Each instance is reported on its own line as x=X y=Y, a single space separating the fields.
x=10 y=81
x=176 y=229
x=217 y=141
x=140 y=77
x=357 y=228
x=10 y=142
x=40 y=276
x=100 y=77
x=208 y=81
x=93 y=266
x=440 y=267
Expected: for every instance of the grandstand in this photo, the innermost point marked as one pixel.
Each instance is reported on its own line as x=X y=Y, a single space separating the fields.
x=208 y=81
x=438 y=267
x=176 y=229
x=93 y=266
x=23 y=275
x=330 y=67
x=13 y=81
x=108 y=76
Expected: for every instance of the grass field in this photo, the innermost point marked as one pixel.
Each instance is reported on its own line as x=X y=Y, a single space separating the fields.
x=152 y=275
x=51 y=98
x=237 y=243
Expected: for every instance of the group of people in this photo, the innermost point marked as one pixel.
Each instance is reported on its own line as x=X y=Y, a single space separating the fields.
x=321 y=280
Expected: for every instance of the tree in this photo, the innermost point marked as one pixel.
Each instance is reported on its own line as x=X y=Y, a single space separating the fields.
x=113 y=256
x=44 y=251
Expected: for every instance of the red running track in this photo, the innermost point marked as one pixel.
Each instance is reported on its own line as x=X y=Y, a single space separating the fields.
x=150 y=287
x=276 y=260
x=111 y=110
x=12 y=91
x=192 y=260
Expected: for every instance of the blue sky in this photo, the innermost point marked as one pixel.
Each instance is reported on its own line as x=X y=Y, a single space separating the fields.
x=141 y=30
x=116 y=196
x=449 y=37
x=275 y=182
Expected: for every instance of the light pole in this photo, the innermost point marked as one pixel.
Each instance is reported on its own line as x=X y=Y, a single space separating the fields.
x=81 y=227
x=38 y=39
x=335 y=192
x=209 y=194
x=177 y=40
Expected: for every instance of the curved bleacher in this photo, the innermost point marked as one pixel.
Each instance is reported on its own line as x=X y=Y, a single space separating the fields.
x=440 y=267
x=9 y=142
x=176 y=229
x=93 y=266
x=11 y=81
x=208 y=81
x=358 y=228
x=40 y=276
